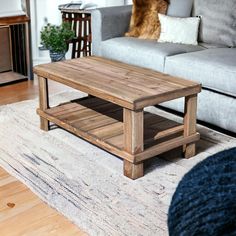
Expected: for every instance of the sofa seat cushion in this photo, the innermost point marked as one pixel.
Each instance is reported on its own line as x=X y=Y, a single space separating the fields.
x=214 y=108
x=214 y=68
x=143 y=53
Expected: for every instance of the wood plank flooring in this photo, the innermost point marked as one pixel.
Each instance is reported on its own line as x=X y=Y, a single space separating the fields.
x=25 y=90
x=21 y=211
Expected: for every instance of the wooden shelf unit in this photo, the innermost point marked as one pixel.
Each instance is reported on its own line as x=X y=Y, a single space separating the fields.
x=19 y=46
x=80 y=21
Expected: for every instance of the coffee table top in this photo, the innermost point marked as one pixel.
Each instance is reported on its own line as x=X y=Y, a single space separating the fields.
x=125 y=85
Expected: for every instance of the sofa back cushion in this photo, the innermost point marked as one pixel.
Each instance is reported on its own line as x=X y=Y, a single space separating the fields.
x=180 y=8
x=218 y=21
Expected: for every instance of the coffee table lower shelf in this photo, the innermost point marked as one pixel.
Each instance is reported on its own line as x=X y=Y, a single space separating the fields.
x=101 y=123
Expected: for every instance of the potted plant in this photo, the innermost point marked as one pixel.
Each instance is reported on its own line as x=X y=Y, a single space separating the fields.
x=55 y=39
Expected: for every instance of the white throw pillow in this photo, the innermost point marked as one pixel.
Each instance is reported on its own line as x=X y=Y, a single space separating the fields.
x=179 y=30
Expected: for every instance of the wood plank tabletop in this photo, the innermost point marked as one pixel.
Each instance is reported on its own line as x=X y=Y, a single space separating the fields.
x=125 y=85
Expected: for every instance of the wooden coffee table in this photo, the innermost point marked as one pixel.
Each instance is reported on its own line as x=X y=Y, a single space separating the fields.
x=112 y=116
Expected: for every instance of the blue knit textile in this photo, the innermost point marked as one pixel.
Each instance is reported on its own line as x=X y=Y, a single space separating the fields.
x=204 y=202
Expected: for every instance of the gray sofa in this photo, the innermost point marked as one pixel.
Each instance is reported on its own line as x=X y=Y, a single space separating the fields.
x=212 y=62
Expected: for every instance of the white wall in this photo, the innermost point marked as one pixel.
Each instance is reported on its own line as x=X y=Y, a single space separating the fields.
x=128 y=2
x=43 y=11
x=114 y=2
x=47 y=11
x=10 y=5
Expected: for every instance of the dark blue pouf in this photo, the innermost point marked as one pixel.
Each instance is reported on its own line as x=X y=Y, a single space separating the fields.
x=204 y=202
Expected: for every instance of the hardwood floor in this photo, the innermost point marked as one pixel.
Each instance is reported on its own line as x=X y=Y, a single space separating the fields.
x=25 y=90
x=21 y=211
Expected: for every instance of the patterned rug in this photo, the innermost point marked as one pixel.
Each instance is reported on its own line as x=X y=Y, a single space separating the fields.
x=77 y=179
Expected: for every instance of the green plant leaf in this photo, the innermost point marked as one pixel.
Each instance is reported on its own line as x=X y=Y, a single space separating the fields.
x=56 y=37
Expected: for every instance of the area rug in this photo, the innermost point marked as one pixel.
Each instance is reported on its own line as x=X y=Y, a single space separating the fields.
x=85 y=183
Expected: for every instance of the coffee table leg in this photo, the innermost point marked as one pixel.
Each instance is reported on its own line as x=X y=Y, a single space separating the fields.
x=133 y=171
x=190 y=121
x=43 y=101
x=133 y=141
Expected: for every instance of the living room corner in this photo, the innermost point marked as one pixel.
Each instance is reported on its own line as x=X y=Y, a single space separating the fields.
x=117 y=117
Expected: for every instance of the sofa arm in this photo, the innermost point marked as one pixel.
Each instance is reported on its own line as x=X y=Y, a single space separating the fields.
x=107 y=23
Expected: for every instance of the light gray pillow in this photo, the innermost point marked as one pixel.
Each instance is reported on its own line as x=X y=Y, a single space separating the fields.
x=218 y=21
x=180 y=8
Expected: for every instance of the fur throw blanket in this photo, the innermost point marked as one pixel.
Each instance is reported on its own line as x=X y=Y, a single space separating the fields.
x=144 y=21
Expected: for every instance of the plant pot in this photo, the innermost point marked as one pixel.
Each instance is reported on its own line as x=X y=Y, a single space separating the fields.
x=57 y=56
